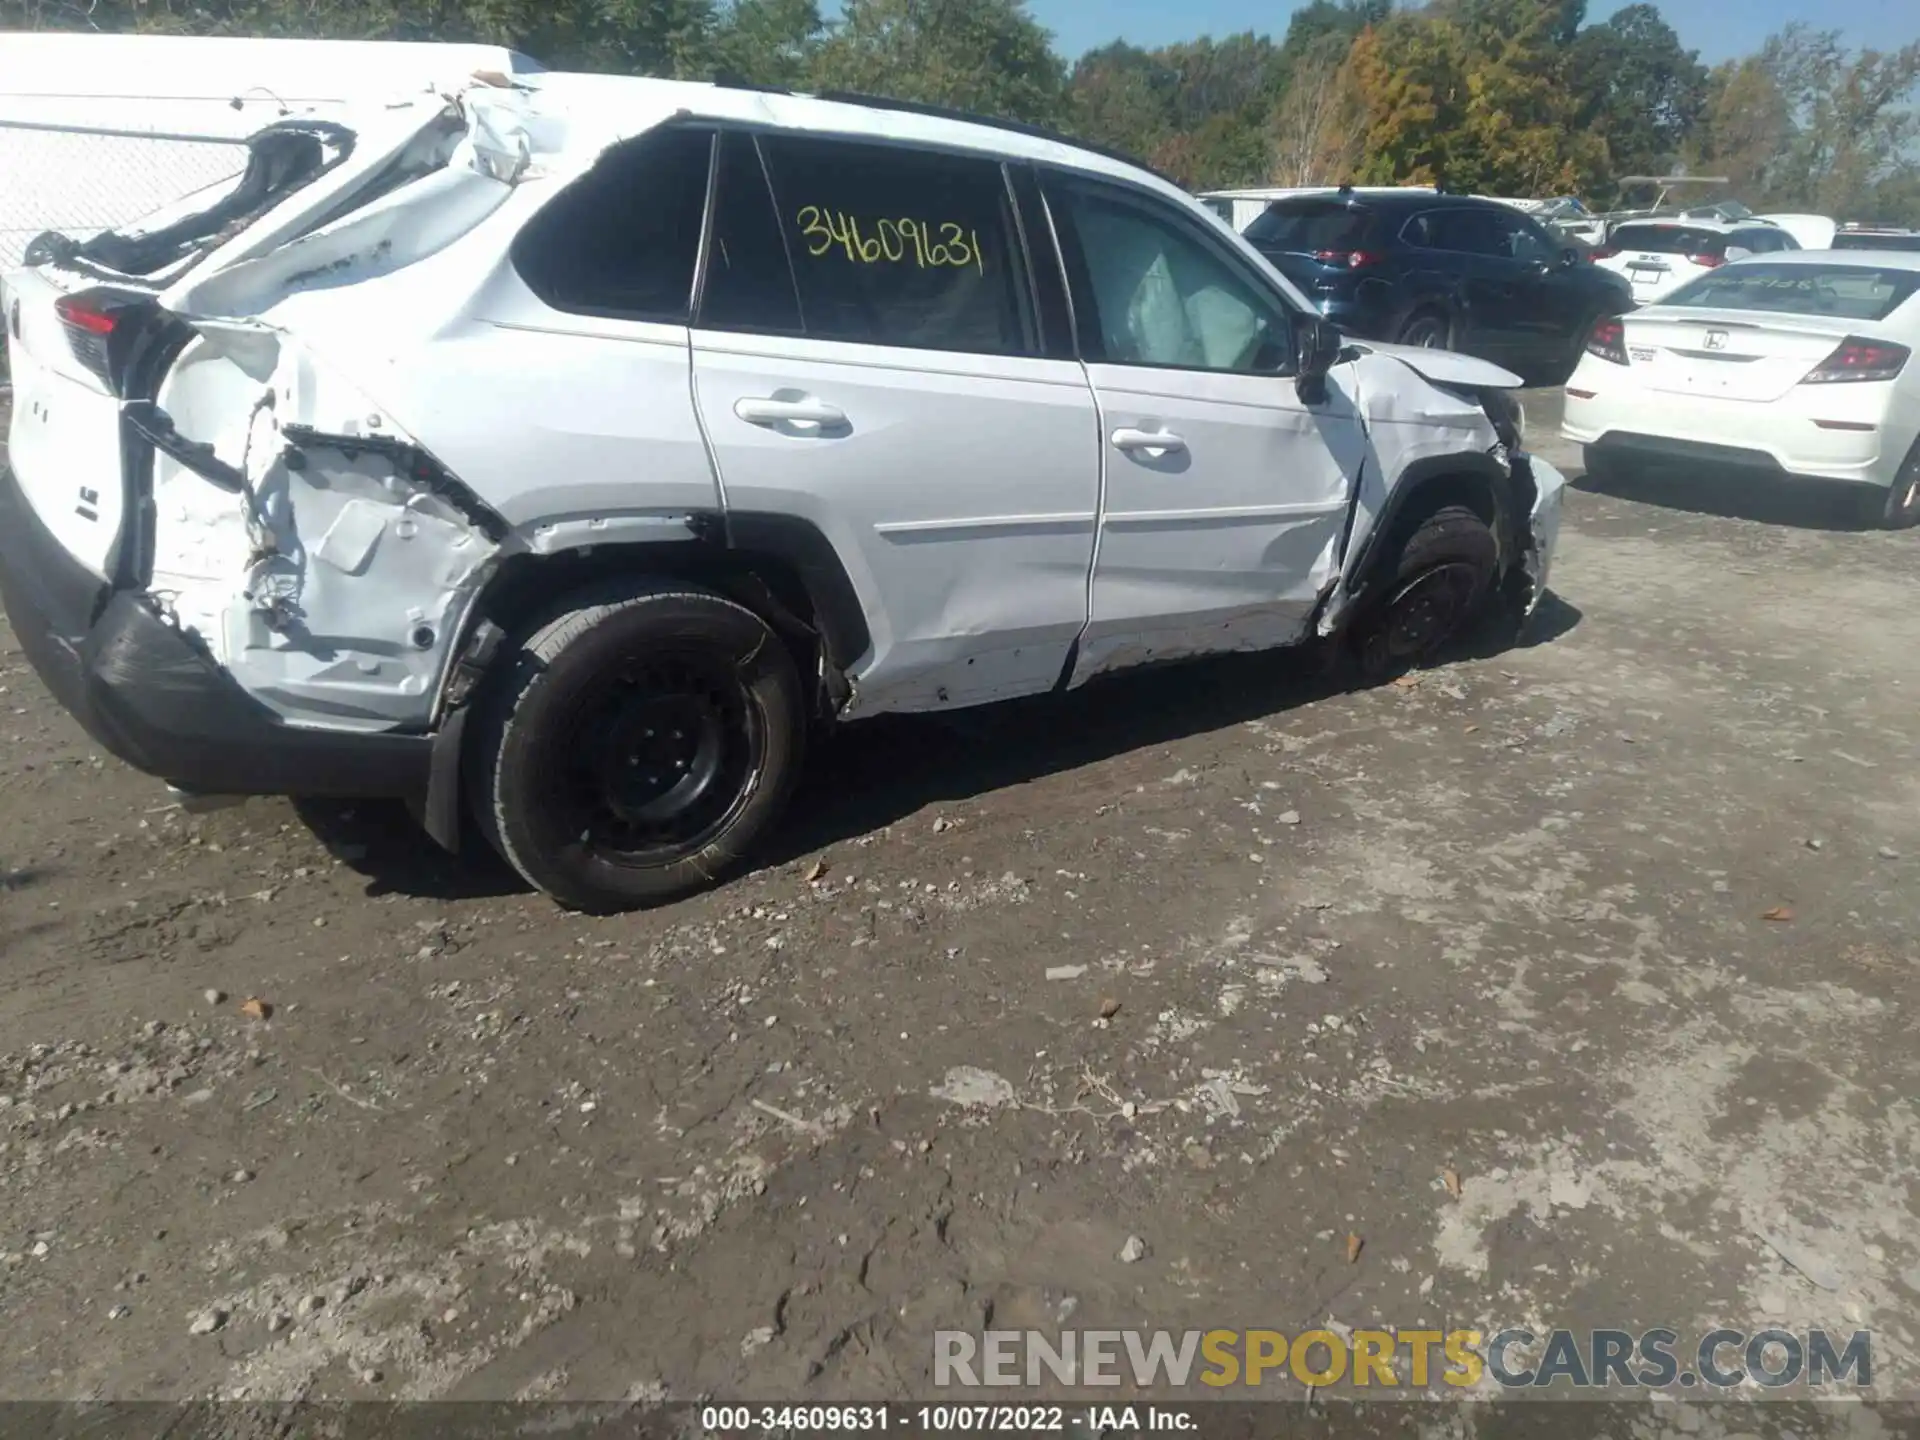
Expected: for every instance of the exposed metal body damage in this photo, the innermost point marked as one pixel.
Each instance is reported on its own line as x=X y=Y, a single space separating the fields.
x=375 y=451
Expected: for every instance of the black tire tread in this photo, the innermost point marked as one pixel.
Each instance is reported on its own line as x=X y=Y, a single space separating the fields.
x=1428 y=538
x=570 y=619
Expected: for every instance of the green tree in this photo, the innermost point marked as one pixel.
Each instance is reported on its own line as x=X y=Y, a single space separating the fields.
x=989 y=56
x=1638 y=90
x=1852 y=126
x=767 y=42
x=1121 y=96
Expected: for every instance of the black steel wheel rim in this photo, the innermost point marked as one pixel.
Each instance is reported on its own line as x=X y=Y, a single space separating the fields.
x=1428 y=609
x=662 y=758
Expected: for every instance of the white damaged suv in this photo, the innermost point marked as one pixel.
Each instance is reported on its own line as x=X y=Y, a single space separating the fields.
x=564 y=455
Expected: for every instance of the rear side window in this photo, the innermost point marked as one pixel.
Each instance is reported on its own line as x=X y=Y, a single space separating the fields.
x=1668 y=240
x=622 y=240
x=1305 y=227
x=900 y=247
x=749 y=282
x=1462 y=231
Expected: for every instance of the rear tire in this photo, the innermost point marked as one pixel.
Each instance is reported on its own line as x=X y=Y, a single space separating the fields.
x=638 y=745
x=1442 y=572
x=1427 y=330
x=1901 y=510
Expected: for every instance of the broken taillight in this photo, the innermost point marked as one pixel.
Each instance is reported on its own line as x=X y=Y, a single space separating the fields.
x=89 y=319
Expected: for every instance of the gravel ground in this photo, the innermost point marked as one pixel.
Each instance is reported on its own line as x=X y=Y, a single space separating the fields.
x=1618 y=927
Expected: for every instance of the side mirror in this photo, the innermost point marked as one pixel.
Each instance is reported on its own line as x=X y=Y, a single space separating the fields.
x=1569 y=257
x=1316 y=349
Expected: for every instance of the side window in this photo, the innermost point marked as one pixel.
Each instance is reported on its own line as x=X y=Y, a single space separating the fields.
x=1526 y=242
x=1155 y=291
x=1467 y=232
x=749 y=283
x=622 y=240
x=896 y=246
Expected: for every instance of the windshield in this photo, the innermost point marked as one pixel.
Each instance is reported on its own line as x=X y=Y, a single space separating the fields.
x=1847 y=292
x=1305 y=227
x=1668 y=240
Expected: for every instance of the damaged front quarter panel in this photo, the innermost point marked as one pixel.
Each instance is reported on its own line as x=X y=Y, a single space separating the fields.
x=1463 y=424
x=333 y=586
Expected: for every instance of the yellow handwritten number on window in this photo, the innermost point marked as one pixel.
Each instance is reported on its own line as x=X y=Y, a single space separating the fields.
x=891 y=241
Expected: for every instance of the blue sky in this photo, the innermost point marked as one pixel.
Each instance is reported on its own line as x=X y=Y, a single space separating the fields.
x=1718 y=29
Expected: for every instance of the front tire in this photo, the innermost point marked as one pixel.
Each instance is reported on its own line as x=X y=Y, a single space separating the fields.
x=1428 y=330
x=638 y=745
x=1442 y=572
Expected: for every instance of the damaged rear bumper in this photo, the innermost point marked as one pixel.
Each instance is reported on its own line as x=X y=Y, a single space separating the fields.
x=152 y=697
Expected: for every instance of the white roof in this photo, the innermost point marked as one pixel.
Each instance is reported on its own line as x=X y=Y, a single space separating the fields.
x=1840 y=259
x=570 y=118
x=1681 y=222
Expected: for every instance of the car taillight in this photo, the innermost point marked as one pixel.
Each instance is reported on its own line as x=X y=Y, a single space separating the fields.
x=1859 y=359
x=1352 y=259
x=89 y=319
x=1708 y=262
x=1608 y=340
x=1604 y=253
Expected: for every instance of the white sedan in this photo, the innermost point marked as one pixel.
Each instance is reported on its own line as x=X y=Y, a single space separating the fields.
x=1794 y=364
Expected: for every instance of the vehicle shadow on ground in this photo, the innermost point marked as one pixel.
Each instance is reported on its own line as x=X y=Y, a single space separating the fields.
x=891 y=767
x=1764 y=499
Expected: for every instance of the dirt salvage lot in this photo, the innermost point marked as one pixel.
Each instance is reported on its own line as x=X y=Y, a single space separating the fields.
x=1511 y=921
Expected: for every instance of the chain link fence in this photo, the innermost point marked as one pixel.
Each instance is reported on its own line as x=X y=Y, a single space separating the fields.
x=82 y=181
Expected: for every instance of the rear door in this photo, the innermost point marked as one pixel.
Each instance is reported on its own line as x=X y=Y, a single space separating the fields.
x=1552 y=303
x=869 y=356
x=1465 y=244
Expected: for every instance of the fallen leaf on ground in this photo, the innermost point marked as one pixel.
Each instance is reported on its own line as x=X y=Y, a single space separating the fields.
x=815 y=871
x=1779 y=915
x=1406 y=682
x=1472 y=729
x=254 y=1008
x=1354 y=1246
x=1109 y=1009
x=1451 y=1178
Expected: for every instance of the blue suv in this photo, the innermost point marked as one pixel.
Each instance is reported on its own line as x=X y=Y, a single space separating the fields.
x=1422 y=267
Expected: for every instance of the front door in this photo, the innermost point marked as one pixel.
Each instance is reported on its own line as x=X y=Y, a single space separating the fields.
x=867 y=357
x=1225 y=495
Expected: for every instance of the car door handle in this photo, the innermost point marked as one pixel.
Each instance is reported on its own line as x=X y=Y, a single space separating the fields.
x=768 y=411
x=1151 y=442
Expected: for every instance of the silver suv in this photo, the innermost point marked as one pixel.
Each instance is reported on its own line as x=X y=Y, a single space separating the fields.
x=565 y=454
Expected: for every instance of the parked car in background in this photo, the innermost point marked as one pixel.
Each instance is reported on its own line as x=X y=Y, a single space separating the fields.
x=566 y=456
x=1855 y=237
x=1452 y=272
x=1797 y=364
x=1657 y=257
x=1810 y=232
